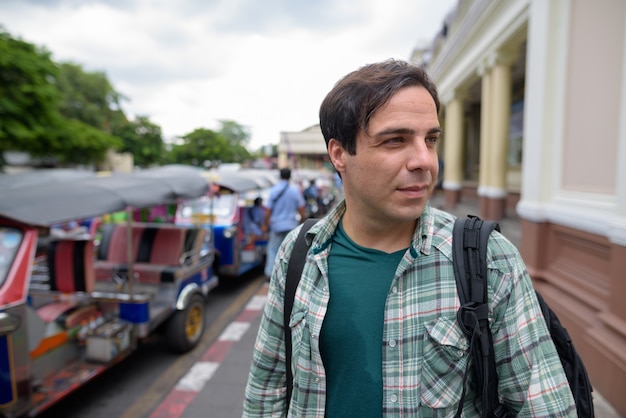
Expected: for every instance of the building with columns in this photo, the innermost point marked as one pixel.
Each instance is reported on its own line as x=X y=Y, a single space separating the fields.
x=533 y=95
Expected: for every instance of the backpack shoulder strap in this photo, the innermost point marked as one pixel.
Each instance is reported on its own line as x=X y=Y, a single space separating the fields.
x=279 y=195
x=469 y=253
x=294 y=271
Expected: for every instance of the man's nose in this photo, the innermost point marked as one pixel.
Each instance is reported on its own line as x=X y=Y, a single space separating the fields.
x=418 y=155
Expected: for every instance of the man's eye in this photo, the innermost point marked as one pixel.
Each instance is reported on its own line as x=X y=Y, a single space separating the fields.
x=432 y=140
x=394 y=140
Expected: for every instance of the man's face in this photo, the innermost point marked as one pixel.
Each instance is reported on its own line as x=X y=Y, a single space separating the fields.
x=394 y=171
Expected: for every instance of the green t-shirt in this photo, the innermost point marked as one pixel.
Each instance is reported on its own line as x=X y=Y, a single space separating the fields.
x=352 y=332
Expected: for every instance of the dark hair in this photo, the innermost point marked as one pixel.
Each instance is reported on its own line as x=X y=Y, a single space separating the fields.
x=349 y=106
x=285 y=174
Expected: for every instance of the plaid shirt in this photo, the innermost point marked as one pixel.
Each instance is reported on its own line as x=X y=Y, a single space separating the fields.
x=425 y=353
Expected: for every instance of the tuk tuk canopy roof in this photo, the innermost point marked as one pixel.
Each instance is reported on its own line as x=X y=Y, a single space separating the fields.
x=46 y=203
x=244 y=180
x=43 y=176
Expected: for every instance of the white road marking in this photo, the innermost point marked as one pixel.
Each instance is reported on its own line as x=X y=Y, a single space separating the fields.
x=197 y=376
x=234 y=331
x=256 y=303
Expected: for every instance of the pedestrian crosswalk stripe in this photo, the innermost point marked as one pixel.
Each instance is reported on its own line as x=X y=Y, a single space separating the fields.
x=256 y=303
x=197 y=376
x=234 y=331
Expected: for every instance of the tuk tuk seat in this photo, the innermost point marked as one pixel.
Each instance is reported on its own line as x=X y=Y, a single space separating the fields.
x=70 y=267
x=70 y=263
x=159 y=251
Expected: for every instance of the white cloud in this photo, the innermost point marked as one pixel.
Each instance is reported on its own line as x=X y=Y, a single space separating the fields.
x=188 y=64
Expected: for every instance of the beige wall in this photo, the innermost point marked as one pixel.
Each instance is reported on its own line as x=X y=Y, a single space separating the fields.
x=573 y=176
x=118 y=162
x=593 y=96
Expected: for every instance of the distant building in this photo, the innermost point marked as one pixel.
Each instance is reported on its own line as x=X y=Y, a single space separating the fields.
x=304 y=149
x=533 y=97
x=117 y=162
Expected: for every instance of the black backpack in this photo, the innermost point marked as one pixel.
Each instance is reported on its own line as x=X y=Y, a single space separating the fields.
x=469 y=252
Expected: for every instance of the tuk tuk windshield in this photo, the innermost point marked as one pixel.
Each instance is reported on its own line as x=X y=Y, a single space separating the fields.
x=217 y=209
x=10 y=239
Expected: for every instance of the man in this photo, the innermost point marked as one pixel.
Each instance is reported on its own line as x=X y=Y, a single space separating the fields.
x=374 y=328
x=254 y=218
x=311 y=197
x=284 y=203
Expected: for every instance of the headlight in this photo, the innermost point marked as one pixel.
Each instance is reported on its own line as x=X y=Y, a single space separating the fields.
x=230 y=232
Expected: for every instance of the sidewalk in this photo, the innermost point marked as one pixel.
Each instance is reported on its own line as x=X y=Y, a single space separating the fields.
x=214 y=387
x=222 y=397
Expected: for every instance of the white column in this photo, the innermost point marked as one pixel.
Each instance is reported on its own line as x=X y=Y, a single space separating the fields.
x=485 y=123
x=544 y=104
x=501 y=87
x=453 y=146
x=617 y=227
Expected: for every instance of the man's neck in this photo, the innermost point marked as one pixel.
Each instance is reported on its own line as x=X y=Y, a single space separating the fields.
x=387 y=237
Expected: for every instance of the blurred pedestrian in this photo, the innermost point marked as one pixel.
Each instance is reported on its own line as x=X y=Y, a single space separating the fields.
x=253 y=222
x=311 y=197
x=285 y=209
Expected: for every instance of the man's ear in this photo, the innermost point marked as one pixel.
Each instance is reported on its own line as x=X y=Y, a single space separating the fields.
x=336 y=154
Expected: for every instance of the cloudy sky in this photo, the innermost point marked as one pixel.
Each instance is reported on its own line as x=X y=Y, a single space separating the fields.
x=266 y=64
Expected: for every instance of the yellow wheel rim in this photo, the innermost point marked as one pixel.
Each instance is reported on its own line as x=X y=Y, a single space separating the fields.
x=194 y=322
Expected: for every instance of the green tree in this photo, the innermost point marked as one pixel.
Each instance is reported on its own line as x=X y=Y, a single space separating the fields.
x=28 y=95
x=143 y=139
x=200 y=146
x=204 y=146
x=31 y=119
x=88 y=97
x=239 y=153
x=238 y=137
x=234 y=133
x=76 y=142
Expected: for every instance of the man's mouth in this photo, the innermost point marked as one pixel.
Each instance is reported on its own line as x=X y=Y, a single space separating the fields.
x=415 y=191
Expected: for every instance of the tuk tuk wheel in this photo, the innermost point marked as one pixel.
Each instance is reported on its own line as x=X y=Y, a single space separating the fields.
x=185 y=328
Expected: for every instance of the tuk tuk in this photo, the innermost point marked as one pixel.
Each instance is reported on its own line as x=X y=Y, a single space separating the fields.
x=227 y=213
x=74 y=308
